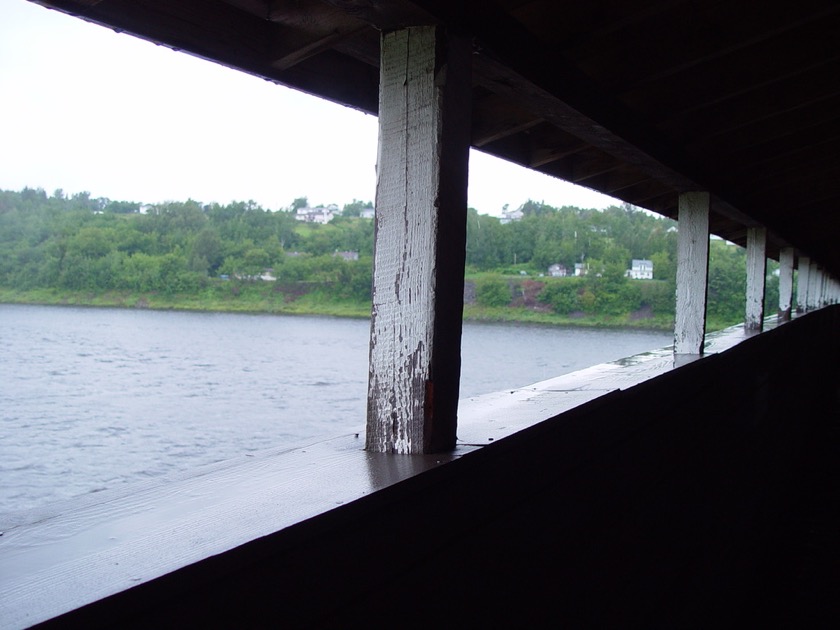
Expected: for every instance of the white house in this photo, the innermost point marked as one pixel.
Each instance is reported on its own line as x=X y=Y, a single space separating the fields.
x=316 y=215
x=509 y=216
x=557 y=270
x=640 y=269
x=367 y=213
x=580 y=269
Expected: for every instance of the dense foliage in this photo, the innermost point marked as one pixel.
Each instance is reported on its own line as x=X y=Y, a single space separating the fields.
x=78 y=243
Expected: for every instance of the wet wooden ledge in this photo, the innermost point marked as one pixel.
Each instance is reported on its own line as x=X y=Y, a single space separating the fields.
x=57 y=559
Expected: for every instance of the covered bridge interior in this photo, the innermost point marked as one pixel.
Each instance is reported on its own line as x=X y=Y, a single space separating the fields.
x=680 y=502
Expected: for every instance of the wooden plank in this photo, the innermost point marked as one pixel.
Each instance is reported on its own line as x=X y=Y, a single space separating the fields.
x=812 y=301
x=709 y=84
x=592 y=167
x=786 y=258
x=420 y=242
x=835 y=291
x=94 y=546
x=756 y=278
x=692 y=271
x=804 y=267
x=288 y=58
x=495 y=117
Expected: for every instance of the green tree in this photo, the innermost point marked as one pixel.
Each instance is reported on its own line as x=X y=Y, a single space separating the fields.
x=563 y=295
x=492 y=292
x=206 y=253
x=727 y=282
x=355 y=207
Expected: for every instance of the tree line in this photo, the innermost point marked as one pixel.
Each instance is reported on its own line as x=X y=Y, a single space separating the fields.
x=80 y=243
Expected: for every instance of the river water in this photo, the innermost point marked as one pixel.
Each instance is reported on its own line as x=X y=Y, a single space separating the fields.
x=94 y=398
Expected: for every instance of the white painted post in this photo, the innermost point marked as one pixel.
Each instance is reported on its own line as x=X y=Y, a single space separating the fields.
x=833 y=290
x=802 y=284
x=420 y=241
x=692 y=272
x=821 y=301
x=756 y=278
x=814 y=281
x=785 y=283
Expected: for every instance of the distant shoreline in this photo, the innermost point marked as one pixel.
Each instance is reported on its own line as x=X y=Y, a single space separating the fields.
x=198 y=303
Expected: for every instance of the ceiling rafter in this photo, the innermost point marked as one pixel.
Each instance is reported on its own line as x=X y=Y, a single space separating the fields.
x=301 y=53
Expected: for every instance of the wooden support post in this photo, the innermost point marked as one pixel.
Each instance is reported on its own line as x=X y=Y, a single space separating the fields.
x=420 y=241
x=756 y=278
x=820 y=291
x=833 y=291
x=692 y=271
x=804 y=267
x=785 y=283
x=814 y=281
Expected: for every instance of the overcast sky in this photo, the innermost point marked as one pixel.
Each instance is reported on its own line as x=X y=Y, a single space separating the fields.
x=83 y=108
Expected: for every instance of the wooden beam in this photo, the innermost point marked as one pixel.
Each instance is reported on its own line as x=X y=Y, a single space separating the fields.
x=786 y=258
x=710 y=84
x=494 y=132
x=692 y=272
x=420 y=241
x=541 y=154
x=495 y=117
x=736 y=34
x=592 y=167
x=834 y=291
x=804 y=267
x=756 y=278
x=288 y=58
x=812 y=301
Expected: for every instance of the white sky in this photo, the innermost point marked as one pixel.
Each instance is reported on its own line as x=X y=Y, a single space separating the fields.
x=83 y=108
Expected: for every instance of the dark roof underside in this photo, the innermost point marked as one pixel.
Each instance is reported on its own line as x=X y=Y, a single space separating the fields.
x=637 y=99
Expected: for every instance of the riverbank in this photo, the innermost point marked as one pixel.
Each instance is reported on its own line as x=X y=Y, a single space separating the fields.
x=245 y=299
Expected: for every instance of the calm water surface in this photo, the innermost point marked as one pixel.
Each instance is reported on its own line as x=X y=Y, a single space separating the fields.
x=94 y=398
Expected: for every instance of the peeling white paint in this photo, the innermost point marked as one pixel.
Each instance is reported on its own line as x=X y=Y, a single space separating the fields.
x=802 y=284
x=814 y=283
x=692 y=272
x=405 y=252
x=786 y=257
x=756 y=277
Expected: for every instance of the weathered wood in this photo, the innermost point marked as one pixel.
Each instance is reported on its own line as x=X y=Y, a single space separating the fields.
x=756 y=278
x=812 y=302
x=834 y=291
x=421 y=202
x=692 y=271
x=786 y=257
x=287 y=58
x=804 y=267
x=495 y=117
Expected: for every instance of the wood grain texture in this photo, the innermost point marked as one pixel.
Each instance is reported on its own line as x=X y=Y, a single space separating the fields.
x=756 y=277
x=804 y=267
x=786 y=259
x=692 y=272
x=814 y=287
x=420 y=241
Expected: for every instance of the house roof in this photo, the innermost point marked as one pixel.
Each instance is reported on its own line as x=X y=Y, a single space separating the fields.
x=638 y=99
